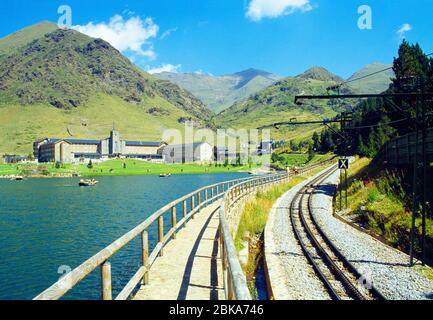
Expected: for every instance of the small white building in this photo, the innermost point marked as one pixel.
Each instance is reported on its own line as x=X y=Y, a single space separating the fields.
x=189 y=153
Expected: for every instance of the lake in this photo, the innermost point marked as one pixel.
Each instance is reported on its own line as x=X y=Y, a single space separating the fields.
x=50 y=225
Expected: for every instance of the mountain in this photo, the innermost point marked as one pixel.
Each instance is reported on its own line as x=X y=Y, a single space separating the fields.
x=321 y=74
x=60 y=82
x=377 y=83
x=220 y=92
x=276 y=104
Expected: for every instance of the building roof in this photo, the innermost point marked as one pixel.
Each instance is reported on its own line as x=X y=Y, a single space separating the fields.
x=71 y=141
x=190 y=145
x=143 y=143
x=82 y=141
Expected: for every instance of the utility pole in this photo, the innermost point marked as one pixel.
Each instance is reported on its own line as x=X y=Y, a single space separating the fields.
x=414 y=189
x=420 y=175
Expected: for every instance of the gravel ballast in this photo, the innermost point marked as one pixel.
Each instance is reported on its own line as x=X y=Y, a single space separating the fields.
x=386 y=268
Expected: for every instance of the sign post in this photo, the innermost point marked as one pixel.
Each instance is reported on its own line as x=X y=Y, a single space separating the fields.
x=343 y=165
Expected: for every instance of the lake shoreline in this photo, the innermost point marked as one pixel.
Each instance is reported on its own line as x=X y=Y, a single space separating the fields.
x=13 y=177
x=115 y=168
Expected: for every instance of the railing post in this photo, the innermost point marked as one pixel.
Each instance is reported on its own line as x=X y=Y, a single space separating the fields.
x=217 y=190
x=206 y=194
x=173 y=221
x=145 y=255
x=199 y=198
x=230 y=295
x=212 y=194
x=193 y=206
x=106 y=291
x=161 y=234
x=184 y=213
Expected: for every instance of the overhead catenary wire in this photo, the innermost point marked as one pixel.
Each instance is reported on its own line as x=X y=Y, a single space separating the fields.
x=366 y=76
x=378 y=125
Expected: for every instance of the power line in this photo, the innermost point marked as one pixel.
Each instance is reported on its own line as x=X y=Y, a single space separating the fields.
x=378 y=125
x=366 y=76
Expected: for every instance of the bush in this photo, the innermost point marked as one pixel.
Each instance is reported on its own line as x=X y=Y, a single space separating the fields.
x=90 y=165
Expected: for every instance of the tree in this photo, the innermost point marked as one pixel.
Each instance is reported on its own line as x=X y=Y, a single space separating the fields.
x=316 y=141
x=294 y=146
x=311 y=153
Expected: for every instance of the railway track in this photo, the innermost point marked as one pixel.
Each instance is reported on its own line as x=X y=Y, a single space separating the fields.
x=339 y=277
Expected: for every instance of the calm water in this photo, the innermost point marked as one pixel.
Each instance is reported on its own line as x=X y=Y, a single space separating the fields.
x=49 y=224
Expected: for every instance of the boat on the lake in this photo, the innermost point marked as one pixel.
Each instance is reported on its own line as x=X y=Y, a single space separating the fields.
x=164 y=175
x=88 y=183
x=17 y=178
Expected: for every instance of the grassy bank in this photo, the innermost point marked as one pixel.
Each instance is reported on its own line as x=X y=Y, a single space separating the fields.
x=252 y=226
x=116 y=168
x=380 y=201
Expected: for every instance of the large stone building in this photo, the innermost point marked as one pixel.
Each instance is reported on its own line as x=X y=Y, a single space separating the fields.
x=188 y=153
x=77 y=150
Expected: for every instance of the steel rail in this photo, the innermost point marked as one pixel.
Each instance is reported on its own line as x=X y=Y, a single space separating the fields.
x=339 y=275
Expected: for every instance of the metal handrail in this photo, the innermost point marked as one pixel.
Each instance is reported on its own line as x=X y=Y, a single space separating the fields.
x=101 y=259
x=235 y=283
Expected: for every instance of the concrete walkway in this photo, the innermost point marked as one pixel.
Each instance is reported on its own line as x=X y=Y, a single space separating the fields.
x=191 y=266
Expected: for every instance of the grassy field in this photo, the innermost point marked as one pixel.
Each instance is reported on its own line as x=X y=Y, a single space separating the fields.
x=117 y=168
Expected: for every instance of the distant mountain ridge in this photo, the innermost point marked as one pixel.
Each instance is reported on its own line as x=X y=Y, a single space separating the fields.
x=377 y=83
x=220 y=92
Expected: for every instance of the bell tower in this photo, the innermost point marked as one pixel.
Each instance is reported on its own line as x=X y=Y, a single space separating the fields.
x=115 y=142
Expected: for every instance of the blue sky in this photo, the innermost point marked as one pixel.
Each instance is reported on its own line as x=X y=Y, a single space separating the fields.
x=225 y=36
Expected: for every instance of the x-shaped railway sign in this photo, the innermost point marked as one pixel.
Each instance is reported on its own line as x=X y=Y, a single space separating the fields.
x=343 y=164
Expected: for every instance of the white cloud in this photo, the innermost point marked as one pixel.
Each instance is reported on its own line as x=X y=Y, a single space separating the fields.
x=259 y=9
x=403 y=30
x=167 y=33
x=133 y=34
x=165 y=68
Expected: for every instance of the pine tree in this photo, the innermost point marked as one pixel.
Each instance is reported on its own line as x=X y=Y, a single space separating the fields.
x=316 y=141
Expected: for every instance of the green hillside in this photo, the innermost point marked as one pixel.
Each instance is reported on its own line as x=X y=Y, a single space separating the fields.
x=319 y=73
x=276 y=104
x=24 y=36
x=61 y=83
x=375 y=84
x=220 y=92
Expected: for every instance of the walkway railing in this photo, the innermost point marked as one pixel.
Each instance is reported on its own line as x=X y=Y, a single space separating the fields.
x=235 y=283
x=196 y=200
